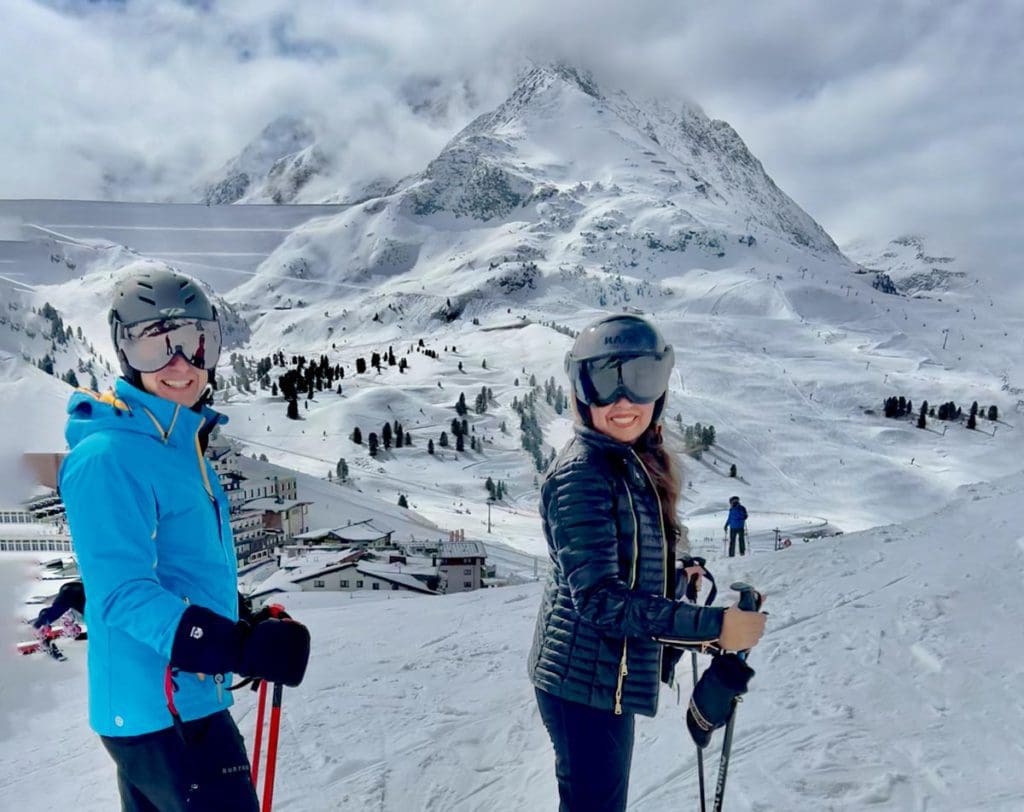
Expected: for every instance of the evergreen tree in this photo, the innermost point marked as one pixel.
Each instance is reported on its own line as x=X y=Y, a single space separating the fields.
x=342 y=469
x=460 y=443
x=371 y=443
x=443 y=440
x=360 y=366
x=93 y=383
x=293 y=410
x=385 y=435
x=489 y=484
x=972 y=421
x=357 y=436
x=71 y=378
x=430 y=446
x=993 y=413
x=402 y=501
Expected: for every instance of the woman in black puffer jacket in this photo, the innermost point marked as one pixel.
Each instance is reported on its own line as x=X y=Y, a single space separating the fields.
x=608 y=506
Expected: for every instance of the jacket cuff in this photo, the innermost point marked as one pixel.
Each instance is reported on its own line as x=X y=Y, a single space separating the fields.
x=207 y=643
x=694 y=624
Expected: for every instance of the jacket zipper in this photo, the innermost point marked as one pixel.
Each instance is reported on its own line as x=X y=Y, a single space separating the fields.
x=623 y=667
x=209 y=493
x=664 y=545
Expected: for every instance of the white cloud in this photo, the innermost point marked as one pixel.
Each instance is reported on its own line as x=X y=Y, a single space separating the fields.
x=879 y=118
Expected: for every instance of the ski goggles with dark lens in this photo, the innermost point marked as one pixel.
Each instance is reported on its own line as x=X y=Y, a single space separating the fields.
x=151 y=345
x=639 y=379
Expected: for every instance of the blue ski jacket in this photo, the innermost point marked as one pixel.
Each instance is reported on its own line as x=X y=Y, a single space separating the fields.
x=737 y=517
x=151 y=530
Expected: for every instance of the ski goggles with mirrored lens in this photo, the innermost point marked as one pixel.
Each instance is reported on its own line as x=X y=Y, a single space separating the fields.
x=151 y=345
x=639 y=379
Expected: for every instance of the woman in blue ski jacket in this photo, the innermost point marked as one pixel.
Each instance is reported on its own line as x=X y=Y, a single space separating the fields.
x=608 y=506
x=152 y=534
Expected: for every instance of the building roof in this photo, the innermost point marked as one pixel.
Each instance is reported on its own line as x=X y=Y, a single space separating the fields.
x=306 y=566
x=462 y=549
x=319 y=563
x=269 y=503
x=403 y=577
x=357 y=531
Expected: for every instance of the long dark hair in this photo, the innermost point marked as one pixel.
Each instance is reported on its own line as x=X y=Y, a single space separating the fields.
x=667 y=476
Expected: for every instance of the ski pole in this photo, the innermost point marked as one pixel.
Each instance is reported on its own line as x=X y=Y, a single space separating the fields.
x=275 y=723
x=749 y=601
x=691 y=595
x=700 y=751
x=262 y=703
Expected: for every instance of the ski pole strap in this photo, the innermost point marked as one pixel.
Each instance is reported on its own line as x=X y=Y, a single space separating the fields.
x=170 y=686
x=689 y=588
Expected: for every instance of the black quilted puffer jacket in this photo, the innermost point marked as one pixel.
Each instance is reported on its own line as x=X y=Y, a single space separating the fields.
x=605 y=607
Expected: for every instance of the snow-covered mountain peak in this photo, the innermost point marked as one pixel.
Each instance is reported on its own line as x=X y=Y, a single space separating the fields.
x=285 y=147
x=559 y=128
x=910 y=265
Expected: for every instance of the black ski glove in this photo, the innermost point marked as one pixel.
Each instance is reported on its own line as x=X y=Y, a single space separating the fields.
x=273 y=650
x=712 y=700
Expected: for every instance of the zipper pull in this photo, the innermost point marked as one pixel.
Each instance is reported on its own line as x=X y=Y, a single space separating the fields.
x=219 y=680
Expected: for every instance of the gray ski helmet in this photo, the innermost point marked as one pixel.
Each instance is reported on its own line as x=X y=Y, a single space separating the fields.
x=153 y=292
x=617 y=336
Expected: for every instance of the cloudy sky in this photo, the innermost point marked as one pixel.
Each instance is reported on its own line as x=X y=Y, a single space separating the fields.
x=880 y=118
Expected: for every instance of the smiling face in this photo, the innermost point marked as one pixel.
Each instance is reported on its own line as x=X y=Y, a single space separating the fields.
x=623 y=420
x=179 y=382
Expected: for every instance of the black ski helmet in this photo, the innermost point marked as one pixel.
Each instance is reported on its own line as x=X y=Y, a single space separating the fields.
x=149 y=291
x=618 y=336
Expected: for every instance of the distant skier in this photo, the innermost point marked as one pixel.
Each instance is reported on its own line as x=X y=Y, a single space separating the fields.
x=68 y=604
x=152 y=533
x=608 y=506
x=736 y=526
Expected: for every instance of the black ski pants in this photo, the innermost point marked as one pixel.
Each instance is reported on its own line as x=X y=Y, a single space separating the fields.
x=203 y=768
x=593 y=751
x=737 y=533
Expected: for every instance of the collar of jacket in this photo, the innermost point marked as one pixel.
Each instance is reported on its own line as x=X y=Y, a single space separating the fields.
x=175 y=425
x=595 y=438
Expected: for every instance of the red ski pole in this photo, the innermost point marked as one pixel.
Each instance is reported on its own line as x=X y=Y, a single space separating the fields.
x=262 y=703
x=275 y=723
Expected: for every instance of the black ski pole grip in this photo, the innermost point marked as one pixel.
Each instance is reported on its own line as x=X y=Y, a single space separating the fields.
x=750 y=600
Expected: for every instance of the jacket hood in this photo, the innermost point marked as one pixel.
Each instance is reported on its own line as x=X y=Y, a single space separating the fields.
x=127 y=408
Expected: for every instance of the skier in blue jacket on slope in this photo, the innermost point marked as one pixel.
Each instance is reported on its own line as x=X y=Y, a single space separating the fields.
x=736 y=526
x=152 y=534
